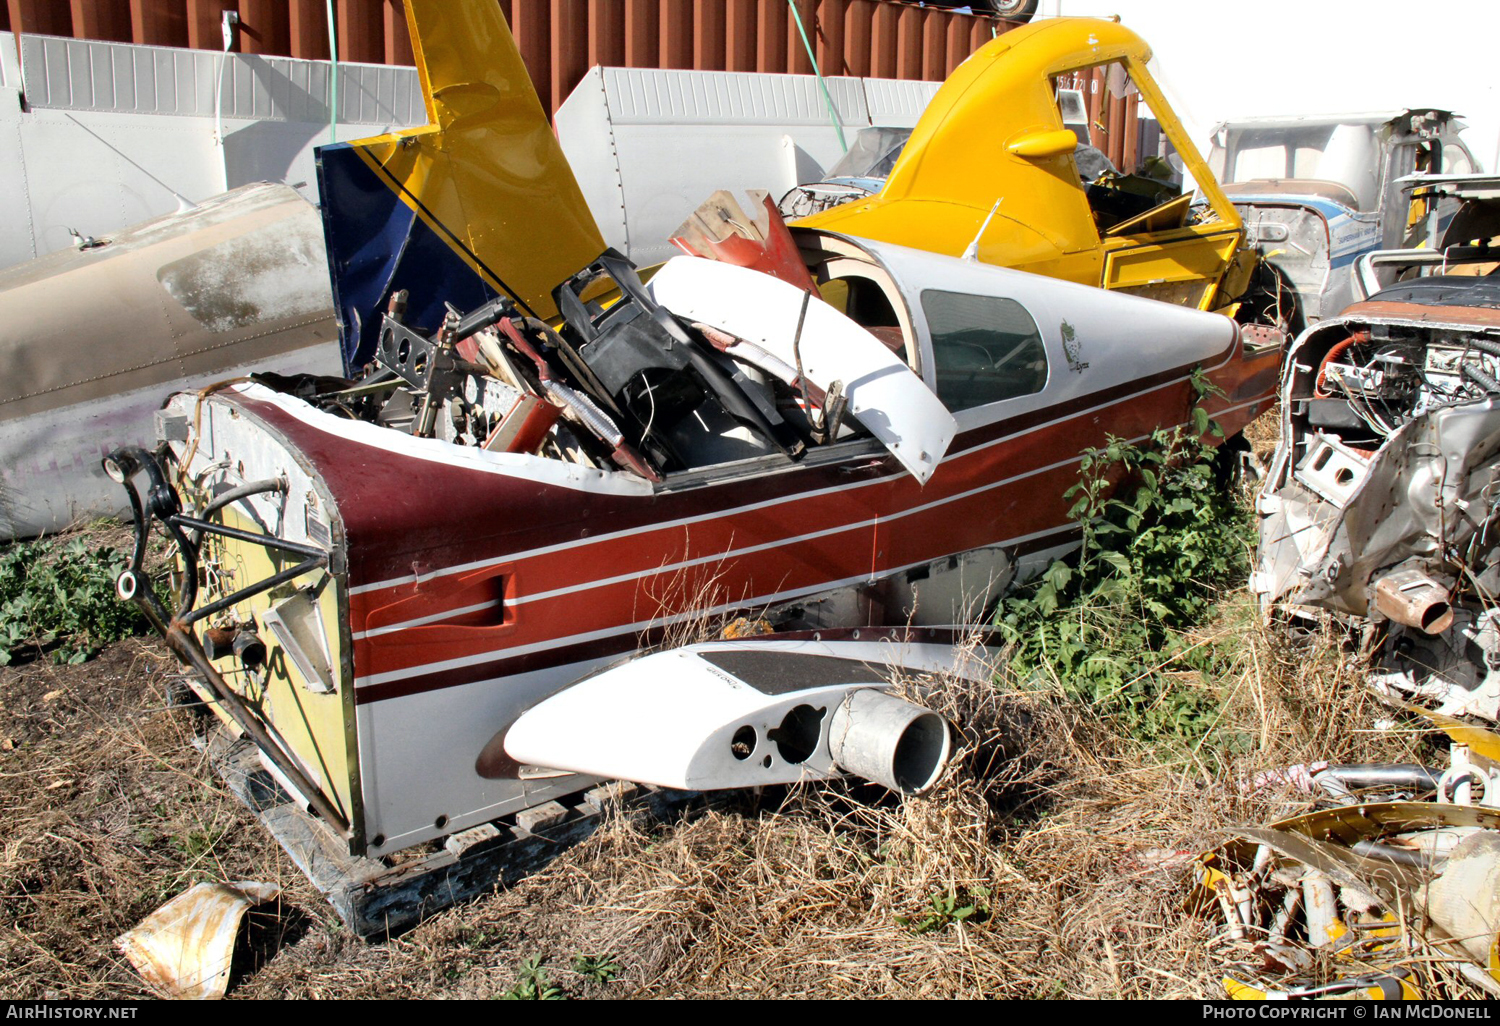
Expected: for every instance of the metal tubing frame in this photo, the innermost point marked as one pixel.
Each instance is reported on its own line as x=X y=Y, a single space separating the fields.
x=134 y=585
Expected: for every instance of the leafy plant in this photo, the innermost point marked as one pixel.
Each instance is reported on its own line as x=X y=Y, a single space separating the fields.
x=596 y=968
x=61 y=595
x=1159 y=540
x=946 y=908
x=533 y=984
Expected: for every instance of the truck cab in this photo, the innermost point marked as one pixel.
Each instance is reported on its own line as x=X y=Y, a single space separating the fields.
x=1317 y=193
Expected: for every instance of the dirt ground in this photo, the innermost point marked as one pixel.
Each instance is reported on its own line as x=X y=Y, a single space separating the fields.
x=1068 y=843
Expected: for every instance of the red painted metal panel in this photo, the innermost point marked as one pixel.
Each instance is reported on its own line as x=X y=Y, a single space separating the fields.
x=265 y=27
x=361 y=31
x=981 y=31
x=909 y=43
x=397 y=35
x=859 y=19
x=102 y=19
x=308 y=23
x=530 y=23
x=798 y=61
x=606 y=33
x=1115 y=126
x=935 y=46
x=676 y=20
x=45 y=17
x=708 y=35
x=959 y=45
x=158 y=22
x=558 y=37
x=204 y=23
x=883 y=42
x=1093 y=92
x=642 y=33
x=830 y=36
x=570 y=35
x=770 y=37
x=739 y=39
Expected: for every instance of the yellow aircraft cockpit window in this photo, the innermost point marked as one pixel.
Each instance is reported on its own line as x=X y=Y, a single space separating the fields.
x=1126 y=165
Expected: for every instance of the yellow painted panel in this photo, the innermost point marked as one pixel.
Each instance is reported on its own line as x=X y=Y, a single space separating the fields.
x=488 y=171
x=317 y=728
x=1202 y=261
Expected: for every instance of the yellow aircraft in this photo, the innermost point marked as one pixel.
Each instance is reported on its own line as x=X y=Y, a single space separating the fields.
x=994 y=134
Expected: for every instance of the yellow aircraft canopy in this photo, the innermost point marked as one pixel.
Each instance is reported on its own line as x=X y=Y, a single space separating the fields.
x=994 y=132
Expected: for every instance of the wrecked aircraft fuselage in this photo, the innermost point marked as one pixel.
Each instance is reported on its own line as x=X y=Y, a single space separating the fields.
x=539 y=464
x=1380 y=505
x=459 y=585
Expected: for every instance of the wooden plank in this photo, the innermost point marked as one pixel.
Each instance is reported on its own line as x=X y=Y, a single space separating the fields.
x=739 y=35
x=935 y=45
x=1132 y=145
x=159 y=22
x=709 y=24
x=829 y=31
x=676 y=18
x=883 y=41
x=642 y=33
x=770 y=37
x=570 y=48
x=102 y=19
x=43 y=17
x=909 y=43
x=361 y=31
x=859 y=18
x=398 y=49
x=798 y=61
x=606 y=33
x=530 y=24
x=265 y=27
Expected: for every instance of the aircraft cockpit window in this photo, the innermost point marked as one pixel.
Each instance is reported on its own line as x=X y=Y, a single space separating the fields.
x=985 y=348
x=1126 y=165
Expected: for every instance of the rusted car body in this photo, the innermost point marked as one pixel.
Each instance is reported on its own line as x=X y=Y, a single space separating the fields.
x=1380 y=505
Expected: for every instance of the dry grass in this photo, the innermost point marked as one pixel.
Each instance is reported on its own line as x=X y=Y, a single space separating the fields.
x=1078 y=835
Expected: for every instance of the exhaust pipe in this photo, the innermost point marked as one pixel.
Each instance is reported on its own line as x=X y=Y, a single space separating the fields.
x=895 y=744
x=1412 y=598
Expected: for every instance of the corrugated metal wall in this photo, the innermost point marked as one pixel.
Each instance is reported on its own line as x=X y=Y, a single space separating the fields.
x=559 y=39
x=1114 y=121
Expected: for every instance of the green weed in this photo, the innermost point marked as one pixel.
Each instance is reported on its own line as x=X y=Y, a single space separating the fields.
x=947 y=908
x=61 y=596
x=1160 y=540
x=533 y=984
x=596 y=968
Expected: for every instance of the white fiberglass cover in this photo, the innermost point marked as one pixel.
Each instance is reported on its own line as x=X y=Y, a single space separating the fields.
x=884 y=395
x=714 y=715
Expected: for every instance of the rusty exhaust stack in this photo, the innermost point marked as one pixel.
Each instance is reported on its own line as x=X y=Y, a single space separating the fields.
x=1412 y=598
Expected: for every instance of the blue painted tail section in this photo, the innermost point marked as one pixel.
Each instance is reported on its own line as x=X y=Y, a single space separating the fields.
x=377 y=246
